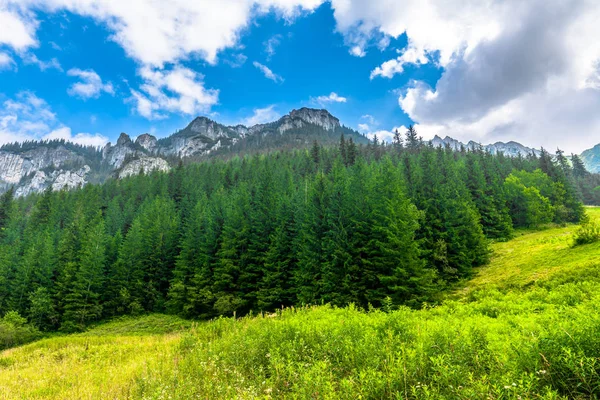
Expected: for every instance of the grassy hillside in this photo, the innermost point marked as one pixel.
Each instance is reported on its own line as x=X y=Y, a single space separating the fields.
x=526 y=327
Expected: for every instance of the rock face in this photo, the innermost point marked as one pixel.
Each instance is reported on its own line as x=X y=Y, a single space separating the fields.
x=510 y=149
x=146 y=164
x=63 y=165
x=59 y=180
x=147 y=142
x=320 y=118
x=115 y=155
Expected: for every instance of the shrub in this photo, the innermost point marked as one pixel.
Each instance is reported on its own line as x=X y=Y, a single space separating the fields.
x=588 y=232
x=15 y=331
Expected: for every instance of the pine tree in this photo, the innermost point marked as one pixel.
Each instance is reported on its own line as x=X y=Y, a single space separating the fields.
x=412 y=142
x=83 y=302
x=351 y=152
x=6 y=201
x=579 y=170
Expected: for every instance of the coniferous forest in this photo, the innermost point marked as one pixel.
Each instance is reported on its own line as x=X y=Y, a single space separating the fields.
x=369 y=225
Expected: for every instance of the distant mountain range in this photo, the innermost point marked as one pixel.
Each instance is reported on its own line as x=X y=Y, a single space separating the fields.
x=34 y=166
x=511 y=149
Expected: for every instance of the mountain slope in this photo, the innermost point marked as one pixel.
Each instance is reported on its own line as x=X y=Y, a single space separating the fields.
x=591 y=159
x=34 y=166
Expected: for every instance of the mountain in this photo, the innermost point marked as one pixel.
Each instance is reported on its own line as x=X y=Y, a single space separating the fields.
x=511 y=149
x=591 y=159
x=34 y=166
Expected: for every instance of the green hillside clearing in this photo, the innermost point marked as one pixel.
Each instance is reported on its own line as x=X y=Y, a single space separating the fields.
x=526 y=327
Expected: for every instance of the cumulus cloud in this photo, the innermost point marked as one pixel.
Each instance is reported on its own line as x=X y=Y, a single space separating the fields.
x=84 y=139
x=28 y=117
x=396 y=66
x=90 y=85
x=158 y=32
x=262 y=116
x=331 y=98
x=159 y=36
x=385 y=135
x=511 y=70
x=364 y=128
x=267 y=72
x=180 y=90
x=18 y=26
x=368 y=123
x=6 y=61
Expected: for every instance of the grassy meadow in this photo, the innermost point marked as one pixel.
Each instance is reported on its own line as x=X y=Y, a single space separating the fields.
x=527 y=326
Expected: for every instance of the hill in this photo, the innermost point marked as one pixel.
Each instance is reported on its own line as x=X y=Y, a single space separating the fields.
x=527 y=326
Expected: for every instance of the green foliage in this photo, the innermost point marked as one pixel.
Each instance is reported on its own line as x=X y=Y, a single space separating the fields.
x=588 y=232
x=15 y=331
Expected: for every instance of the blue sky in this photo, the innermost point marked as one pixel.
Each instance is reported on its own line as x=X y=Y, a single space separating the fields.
x=474 y=70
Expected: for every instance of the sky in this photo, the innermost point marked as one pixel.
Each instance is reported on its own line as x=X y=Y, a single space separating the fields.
x=482 y=70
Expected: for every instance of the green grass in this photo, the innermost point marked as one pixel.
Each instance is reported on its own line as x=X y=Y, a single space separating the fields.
x=536 y=256
x=526 y=327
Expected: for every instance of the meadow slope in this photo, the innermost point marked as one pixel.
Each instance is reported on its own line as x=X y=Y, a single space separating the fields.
x=526 y=327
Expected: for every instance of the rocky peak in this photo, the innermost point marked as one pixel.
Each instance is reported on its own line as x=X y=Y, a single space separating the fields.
x=124 y=140
x=317 y=117
x=147 y=142
x=206 y=127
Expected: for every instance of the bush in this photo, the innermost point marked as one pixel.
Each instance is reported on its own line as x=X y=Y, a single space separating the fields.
x=15 y=331
x=588 y=232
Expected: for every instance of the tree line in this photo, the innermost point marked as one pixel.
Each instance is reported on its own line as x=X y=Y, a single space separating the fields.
x=365 y=224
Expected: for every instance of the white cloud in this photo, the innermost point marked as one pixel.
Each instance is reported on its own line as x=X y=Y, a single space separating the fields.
x=396 y=66
x=526 y=71
x=84 y=139
x=237 y=60
x=271 y=45
x=27 y=117
x=262 y=116
x=385 y=135
x=18 y=29
x=179 y=90
x=159 y=35
x=6 y=61
x=331 y=98
x=364 y=127
x=267 y=72
x=31 y=59
x=159 y=32
x=90 y=86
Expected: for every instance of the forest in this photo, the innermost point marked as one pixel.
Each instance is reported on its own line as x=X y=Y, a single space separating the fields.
x=372 y=225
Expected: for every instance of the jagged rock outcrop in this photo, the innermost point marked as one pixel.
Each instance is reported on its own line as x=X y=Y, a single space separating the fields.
x=115 y=155
x=320 y=118
x=196 y=139
x=147 y=142
x=510 y=149
x=58 y=179
x=14 y=167
x=146 y=164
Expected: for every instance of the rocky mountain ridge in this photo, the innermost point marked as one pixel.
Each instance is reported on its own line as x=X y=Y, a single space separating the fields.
x=34 y=166
x=511 y=149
